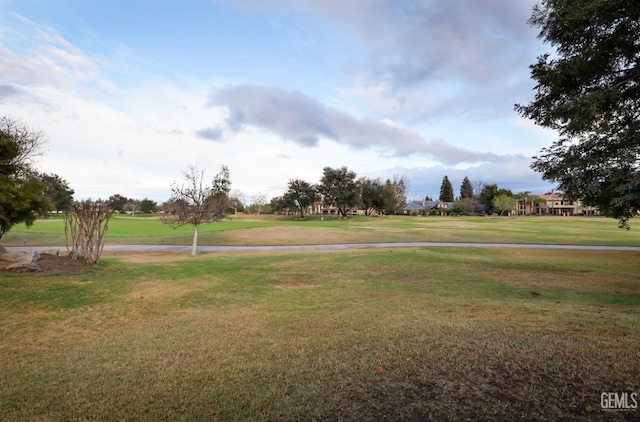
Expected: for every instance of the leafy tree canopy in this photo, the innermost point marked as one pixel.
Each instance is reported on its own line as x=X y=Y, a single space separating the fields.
x=504 y=203
x=58 y=192
x=21 y=201
x=489 y=192
x=300 y=195
x=21 y=192
x=338 y=187
x=589 y=91
x=148 y=205
x=118 y=202
x=371 y=195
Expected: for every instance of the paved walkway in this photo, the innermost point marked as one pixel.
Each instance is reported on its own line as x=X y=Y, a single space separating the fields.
x=298 y=248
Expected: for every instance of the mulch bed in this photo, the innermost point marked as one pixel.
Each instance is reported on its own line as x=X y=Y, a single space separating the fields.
x=52 y=265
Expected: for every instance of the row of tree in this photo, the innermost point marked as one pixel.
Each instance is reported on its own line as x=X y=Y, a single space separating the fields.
x=488 y=198
x=341 y=189
x=122 y=204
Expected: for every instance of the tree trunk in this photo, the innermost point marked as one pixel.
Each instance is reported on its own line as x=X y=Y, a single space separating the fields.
x=88 y=223
x=195 y=241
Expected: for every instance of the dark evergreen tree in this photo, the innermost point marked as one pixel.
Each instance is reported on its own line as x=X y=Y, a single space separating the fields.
x=446 y=190
x=466 y=189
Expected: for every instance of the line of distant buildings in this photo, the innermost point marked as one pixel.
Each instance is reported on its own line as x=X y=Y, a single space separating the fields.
x=552 y=203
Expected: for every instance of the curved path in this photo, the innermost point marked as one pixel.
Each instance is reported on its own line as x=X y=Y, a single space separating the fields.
x=298 y=248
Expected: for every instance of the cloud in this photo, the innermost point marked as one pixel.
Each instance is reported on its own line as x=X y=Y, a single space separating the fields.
x=430 y=59
x=410 y=41
x=209 y=134
x=304 y=121
x=7 y=91
x=45 y=58
x=292 y=115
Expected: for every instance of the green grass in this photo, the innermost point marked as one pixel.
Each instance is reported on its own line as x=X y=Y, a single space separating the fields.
x=440 y=333
x=281 y=230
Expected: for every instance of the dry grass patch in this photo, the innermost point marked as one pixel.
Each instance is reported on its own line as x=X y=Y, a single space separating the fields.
x=287 y=283
x=572 y=271
x=580 y=283
x=154 y=291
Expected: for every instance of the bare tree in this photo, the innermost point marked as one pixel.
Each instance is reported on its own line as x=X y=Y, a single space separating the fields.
x=401 y=185
x=478 y=187
x=236 y=201
x=132 y=205
x=194 y=202
x=88 y=223
x=259 y=201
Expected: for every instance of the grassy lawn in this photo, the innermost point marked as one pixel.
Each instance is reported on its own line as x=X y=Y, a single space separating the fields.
x=441 y=333
x=280 y=230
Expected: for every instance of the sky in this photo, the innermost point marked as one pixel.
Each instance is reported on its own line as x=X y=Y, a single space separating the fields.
x=130 y=93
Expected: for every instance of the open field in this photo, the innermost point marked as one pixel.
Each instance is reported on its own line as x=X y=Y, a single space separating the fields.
x=280 y=230
x=441 y=333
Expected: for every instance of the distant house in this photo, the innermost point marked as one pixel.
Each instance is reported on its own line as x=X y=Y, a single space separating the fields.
x=429 y=205
x=552 y=203
x=333 y=210
x=445 y=206
x=414 y=207
x=426 y=207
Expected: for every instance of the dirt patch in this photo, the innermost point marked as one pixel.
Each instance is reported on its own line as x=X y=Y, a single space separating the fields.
x=51 y=265
x=286 y=283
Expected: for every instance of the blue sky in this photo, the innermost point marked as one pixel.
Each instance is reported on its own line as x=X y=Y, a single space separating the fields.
x=131 y=93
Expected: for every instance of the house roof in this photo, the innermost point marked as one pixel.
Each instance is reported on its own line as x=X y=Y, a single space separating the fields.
x=427 y=205
x=430 y=204
x=413 y=206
